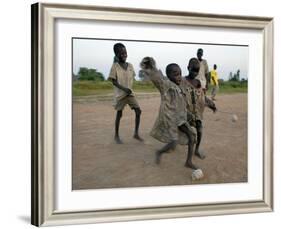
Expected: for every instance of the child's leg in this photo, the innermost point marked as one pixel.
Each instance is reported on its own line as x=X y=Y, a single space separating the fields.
x=117 y=124
x=191 y=141
x=199 y=129
x=133 y=103
x=165 y=149
x=213 y=92
x=137 y=124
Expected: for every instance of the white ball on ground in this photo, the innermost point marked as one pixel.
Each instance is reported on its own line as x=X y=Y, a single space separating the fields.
x=197 y=174
x=234 y=118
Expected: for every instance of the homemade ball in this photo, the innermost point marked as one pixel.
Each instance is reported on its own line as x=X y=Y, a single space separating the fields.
x=197 y=174
x=234 y=118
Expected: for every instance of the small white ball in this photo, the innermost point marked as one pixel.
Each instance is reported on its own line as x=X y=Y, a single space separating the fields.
x=234 y=118
x=197 y=174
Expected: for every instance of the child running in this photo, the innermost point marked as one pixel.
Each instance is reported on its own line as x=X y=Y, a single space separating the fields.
x=171 y=126
x=195 y=101
x=122 y=76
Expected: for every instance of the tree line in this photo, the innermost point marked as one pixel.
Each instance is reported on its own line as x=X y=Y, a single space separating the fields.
x=236 y=76
x=89 y=74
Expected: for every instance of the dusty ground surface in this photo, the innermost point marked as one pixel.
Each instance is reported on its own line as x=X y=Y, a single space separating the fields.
x=100 y=163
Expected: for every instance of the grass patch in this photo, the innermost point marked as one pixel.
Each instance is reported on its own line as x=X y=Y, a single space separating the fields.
x=84 y=88
x=229 y=87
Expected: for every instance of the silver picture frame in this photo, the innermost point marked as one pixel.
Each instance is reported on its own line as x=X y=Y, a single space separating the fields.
x=43 y=112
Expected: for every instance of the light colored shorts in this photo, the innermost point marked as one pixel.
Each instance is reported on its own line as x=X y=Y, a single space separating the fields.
x=214 y=91
x=130 y=100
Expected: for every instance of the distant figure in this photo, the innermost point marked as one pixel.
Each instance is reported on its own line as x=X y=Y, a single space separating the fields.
x=214 y=83
x=203 y=75
x=171 y=126
x=122 y=76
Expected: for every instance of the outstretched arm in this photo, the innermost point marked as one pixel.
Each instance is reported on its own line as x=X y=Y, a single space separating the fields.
x=209 y=103
x=148 y=65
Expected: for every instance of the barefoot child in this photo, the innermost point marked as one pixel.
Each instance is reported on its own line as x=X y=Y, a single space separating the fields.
x=171 y=126
x=195 y=101
x=122 y=75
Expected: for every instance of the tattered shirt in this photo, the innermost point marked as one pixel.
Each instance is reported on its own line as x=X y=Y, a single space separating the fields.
x=172 y=111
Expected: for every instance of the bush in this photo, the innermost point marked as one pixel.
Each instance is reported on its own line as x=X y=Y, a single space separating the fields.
x=233 y=84
x=143 y=85
x=90 y=74
x=92 y=85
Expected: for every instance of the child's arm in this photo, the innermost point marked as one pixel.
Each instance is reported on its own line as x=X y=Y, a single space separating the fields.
x=213 y=79
x=125 y=89
x=190 y=117
x=207 y=74
x=214 y=82
x=148 y=65
x=113 y=78
x=209 y=103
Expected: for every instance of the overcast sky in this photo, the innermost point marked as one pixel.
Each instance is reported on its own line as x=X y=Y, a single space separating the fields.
x=98 y=54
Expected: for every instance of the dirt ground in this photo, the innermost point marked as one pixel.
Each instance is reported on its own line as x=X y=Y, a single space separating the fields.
x=100 y=163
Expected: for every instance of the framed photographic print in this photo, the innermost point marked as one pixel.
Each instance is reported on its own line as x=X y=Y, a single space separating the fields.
x=95 y=159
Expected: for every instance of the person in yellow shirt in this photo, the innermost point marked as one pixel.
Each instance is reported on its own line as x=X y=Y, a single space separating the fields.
x=214 y=82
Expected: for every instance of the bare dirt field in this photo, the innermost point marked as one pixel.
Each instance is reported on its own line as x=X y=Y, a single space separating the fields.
x=100 y=163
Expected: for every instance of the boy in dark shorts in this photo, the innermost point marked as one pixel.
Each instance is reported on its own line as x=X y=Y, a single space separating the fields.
x=122 y=76
x=171 y=126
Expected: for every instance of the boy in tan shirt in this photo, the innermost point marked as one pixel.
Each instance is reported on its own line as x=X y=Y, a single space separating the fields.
x=203 y=74
x=122 y=76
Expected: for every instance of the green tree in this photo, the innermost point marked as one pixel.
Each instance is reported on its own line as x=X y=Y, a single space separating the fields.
x=230 y=76
x=90 y=74
x=235 y=77
x=238 y=75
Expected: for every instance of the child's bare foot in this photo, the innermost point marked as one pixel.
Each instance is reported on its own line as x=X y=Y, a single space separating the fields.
x=136 y=136
x=201 y=155
x=157 y=157
x=118 y=140
x=189 y=164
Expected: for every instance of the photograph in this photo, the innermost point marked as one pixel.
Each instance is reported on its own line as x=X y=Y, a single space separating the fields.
x=126 y=129
x=174 y=108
